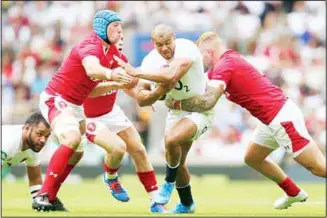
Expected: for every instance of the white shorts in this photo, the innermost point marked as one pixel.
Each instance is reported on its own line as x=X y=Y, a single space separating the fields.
x=116 y=121
x=287 y=129
x=52 y=105
x=203 y=120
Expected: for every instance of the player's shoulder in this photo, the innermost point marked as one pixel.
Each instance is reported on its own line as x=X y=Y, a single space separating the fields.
x=151 y=56
x=90 y=40
x=11 y=137
x=184 y=43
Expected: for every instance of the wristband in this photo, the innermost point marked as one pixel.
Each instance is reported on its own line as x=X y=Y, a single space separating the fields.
x=177 y=105
x=34 y=189
x=108 y=74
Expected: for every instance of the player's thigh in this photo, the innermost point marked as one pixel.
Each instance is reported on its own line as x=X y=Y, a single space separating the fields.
x=203 y=122
x=182 y=131
x=261 y=144
x=290 y=130
x=312 y=158
x=186 y=126
x=98 y=133
x=63 y=118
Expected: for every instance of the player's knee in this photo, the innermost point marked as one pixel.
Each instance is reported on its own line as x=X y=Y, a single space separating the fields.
x=71 y=139
x=170 y=141
x=319 y=169
x=119 y=148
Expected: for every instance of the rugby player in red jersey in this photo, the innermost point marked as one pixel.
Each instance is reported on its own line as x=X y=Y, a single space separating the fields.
x=281 y=121
x=108 y=127
x=61 y=103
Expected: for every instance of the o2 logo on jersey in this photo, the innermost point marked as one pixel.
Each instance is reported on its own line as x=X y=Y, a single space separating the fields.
x=3 y=156
x=180 y=87
x=91 y=127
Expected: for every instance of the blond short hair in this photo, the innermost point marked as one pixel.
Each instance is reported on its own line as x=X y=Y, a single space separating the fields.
x=208 y=36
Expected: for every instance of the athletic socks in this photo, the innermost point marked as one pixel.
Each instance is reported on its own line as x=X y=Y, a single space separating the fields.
x=289 y=187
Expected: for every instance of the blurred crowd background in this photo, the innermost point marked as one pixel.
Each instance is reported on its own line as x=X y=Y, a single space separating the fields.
x=286 y=40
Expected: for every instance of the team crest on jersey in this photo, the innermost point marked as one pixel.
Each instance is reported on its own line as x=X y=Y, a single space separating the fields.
x=91 y=127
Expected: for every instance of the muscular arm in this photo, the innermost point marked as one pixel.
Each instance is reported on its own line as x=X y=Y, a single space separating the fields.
x=104 y=87
x=198 y=103
x=94 y=69
x=176 y=70
x=34 y=178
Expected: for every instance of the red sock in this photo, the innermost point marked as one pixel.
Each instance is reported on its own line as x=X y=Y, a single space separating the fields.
x=149 y=181
x=56 y=167
x=61 y=178
x=289 y=187
x=109 y=170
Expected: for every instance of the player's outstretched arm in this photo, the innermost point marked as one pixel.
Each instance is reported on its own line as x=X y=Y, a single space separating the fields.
x=198 y=103
x=176 y=70
x=95 y=70
x=34 y=178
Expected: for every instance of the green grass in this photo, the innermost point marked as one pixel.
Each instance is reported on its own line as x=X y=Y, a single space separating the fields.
x=214 y=196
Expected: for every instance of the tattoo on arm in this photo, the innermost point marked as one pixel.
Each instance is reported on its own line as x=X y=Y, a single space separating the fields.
x=204 y=102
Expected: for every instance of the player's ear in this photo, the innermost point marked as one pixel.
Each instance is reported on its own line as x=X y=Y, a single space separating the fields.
x=27 y=126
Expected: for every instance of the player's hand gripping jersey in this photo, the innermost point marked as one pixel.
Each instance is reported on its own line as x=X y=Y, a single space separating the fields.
x=98 y=106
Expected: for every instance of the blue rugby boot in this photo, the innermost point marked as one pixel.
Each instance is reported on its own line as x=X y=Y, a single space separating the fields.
x=180 y=208
x=165 y=192
x=116 y=189
x=157 y=208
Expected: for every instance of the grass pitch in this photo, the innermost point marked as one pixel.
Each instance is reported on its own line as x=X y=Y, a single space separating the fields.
x=213 y=195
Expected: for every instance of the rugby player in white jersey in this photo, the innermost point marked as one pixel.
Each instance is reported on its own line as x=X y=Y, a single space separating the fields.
x=178 y=62
x=22 y=143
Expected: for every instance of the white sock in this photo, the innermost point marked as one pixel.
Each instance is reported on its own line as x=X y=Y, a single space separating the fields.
x=152 y=195
x=111 y=176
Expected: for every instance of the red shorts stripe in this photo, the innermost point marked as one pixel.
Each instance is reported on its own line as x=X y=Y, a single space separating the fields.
x=90 y=137
x=53 y=111
x=298 y=141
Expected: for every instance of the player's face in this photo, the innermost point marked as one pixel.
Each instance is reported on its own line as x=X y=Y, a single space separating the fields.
x=207 y=55
x=120 y=44
x=37 y=136
x=114 y=32
x=165 y=46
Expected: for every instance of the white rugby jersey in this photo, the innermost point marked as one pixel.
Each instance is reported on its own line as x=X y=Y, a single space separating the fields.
x=193 y=82
x=11 y=148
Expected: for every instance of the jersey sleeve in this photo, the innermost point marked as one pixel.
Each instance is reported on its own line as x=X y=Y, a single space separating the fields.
x=220 y=75
x=90 y=50
x=34 y=160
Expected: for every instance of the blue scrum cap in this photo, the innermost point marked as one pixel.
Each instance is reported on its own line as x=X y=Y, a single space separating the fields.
x=101 y=21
